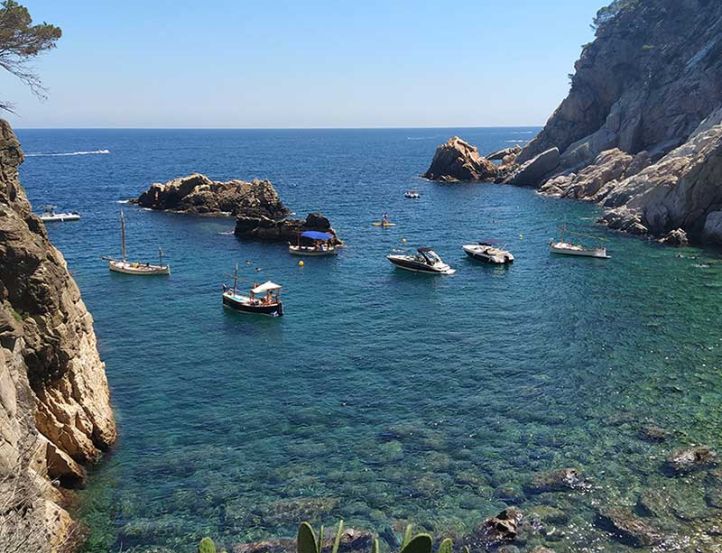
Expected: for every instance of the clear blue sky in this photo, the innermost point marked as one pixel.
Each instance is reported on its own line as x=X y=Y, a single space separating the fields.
x=311 y=63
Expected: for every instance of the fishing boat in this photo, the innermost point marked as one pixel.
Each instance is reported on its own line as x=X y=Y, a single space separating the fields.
x=314 y=243
x=565 y=247
x=264 y=299
x=49 y=215
x=425 y=260
x=488 y=253
x=122 y=265
x=412 y=195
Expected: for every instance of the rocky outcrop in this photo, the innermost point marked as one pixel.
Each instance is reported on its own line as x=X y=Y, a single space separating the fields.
x=457 y=161
x=533 y=171
x=55 y=413
x=200 y=195
x=557 y=481
x=649 y=86
x=284 y=230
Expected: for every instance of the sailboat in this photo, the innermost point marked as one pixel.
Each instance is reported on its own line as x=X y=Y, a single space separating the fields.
x=122 y=265
x=565 y=247
x=264 y=299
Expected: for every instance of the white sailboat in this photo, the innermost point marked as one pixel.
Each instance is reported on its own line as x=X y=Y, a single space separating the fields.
x=122 y=265
x=565 y=247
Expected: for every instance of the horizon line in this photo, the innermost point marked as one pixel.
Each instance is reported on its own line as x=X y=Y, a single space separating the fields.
x=273 y=128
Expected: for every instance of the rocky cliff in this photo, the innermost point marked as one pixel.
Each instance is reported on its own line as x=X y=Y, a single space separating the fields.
x=649 y=87
x=459 y=161
x=55 y=413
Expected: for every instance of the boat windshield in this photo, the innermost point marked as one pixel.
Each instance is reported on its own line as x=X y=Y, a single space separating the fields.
x=431 y=257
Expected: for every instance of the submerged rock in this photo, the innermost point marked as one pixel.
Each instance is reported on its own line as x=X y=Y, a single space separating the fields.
x=653 y=433
x=627 y=528
x=503 y=528
x=557 y=481
x=457 y=160
x=352 y=541
x=200 y=195
x=684 y=461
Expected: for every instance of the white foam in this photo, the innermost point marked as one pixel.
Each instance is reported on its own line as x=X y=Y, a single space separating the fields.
x=81 y=153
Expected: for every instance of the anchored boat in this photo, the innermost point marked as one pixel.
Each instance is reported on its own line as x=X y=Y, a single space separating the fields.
x=124 y=266
x=49 y=215
x=564 y=247
x=314 y=243
x=385 y=222
x=264 y=299
x=424 y=261
x=412 y=195
x=488 y=253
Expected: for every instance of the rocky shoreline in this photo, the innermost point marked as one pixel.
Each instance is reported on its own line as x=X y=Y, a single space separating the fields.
x=260 y=214
x=55 y=411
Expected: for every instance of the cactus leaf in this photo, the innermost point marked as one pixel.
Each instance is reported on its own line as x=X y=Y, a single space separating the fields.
x=321 y=535
x=421 y=543
x=337 y=541
x=306 y=542
x=407 y=536
x=375 y=546
x=467 y=549
x=206 y=546
x=446 y=546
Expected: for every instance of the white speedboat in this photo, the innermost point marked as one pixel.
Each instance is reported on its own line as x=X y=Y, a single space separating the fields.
x=50 y=215
x=568 y=248
x=314 y=243
x=412 y=195
x=488 y=253
x=124 y=266
x=424 y=261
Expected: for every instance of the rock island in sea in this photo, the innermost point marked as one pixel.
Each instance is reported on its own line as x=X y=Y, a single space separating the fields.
x=260 y=214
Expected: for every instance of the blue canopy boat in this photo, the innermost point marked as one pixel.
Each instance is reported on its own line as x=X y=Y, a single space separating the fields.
x=313 y=242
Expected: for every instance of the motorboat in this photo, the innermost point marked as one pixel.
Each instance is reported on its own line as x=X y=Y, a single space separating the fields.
x=412 y=195
x=124 y=266
x=488 y=253
x=263 y=299
x=425 y=260
x=314 y=243
x=50 y=215
x=568 y=248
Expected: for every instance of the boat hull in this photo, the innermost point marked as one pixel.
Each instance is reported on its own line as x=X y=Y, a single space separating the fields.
x=242 y=305
x=416 y=267
x=498 y=259
x=311 y=252
x=597 y=253
x=60 y=218
x=140 y=269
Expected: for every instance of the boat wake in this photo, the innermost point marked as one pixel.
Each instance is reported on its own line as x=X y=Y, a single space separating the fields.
x=421 y=137
x=63 y=154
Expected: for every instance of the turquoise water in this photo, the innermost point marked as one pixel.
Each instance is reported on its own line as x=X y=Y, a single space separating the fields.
x=381 y=396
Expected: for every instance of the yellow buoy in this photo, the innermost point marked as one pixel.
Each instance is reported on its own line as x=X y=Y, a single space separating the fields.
x=300 y=263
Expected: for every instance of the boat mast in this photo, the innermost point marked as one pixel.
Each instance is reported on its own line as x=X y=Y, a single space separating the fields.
x=235 y=279
x=160 y=257
x=122 y=235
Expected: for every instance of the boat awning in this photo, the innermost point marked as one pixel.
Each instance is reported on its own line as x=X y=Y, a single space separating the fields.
x=266 y=287
x=316 y=235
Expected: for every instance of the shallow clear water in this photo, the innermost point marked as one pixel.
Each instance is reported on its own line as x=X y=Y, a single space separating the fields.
x=382 y=396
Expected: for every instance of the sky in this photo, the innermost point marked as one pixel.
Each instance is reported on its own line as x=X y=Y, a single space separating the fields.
x=302 y=64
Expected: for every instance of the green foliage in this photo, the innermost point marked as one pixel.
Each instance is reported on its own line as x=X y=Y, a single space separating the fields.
x=421 y=543
x=206 y=546
x=337 y=540
x=446 y=546
x=607 y=13
x=20 y=41
x=306 y=541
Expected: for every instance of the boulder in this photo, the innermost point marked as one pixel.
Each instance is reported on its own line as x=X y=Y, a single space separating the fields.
x=676 y=237
x=560 y=480
x=627 y=528
x=502 y=528
x=197 y=194
x=505 y=153
x=457 y=160
x=691 y=459
x=284 y=230
x=532 y=172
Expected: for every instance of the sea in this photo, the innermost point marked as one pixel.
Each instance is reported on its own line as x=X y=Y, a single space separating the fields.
x=381 y=397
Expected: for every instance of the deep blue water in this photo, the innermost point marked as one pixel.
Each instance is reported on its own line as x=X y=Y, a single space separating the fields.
x=382 y=396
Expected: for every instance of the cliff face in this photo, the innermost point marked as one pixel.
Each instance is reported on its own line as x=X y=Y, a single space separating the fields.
x=651 y=77
x=55 y=412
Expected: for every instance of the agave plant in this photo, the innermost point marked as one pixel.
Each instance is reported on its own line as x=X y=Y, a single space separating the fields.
x=308 y=542
x=206 y=546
